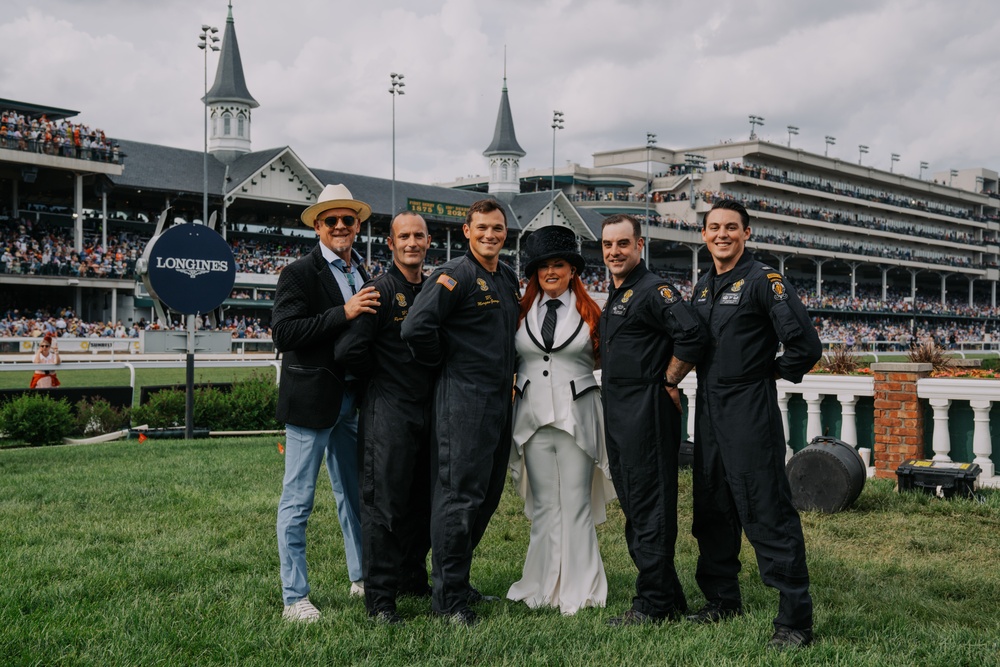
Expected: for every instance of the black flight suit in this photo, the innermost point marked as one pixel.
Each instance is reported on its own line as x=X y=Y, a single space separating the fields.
x=394 y=428
x=739 y=455
x=644 y=323
x=464 y=321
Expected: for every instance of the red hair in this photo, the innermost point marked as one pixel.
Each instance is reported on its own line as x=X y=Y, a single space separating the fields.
x=585 y=305
x=47 y=339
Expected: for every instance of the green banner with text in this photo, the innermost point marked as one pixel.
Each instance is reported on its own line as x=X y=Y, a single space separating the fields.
x=437 y=209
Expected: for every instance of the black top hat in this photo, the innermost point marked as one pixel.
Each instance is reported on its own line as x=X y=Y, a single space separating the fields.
x=549 y=242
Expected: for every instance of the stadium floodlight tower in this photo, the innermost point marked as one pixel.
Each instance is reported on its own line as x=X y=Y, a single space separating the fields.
x=650 y=144
x=862 y=151
x=395 y=88
x=792 y=130
x=557 y=124
x=209 y=42
x=830 y=141
x=923 y=165
x=696 y=165
x=893 y=159
x=755 y=121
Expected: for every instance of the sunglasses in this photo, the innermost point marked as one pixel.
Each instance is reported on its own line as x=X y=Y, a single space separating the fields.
x=332 y=220
x=44 y=346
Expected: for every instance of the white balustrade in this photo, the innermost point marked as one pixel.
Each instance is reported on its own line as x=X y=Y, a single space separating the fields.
x=981 y=394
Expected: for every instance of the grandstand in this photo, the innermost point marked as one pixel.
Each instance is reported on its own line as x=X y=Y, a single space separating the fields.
x=869 y=250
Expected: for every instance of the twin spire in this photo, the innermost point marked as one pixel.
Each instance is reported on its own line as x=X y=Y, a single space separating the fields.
x=230 y=102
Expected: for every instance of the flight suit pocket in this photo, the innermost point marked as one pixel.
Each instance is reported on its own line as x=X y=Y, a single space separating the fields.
x=760 y=505
x=645 y=505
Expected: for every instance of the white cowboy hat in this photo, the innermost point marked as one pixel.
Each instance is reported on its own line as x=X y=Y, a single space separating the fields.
x=335 y=196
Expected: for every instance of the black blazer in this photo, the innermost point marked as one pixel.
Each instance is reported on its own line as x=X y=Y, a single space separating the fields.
x=307 y=318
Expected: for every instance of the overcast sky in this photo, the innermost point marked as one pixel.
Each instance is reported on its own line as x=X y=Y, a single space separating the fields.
x=919 y=78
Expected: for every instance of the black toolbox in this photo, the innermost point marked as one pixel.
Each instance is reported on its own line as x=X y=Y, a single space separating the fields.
x=943 y=479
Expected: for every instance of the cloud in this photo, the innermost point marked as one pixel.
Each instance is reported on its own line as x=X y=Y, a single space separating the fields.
x=913 y=77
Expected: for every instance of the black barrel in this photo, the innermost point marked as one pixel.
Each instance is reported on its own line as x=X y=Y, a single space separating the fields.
x=826 y=475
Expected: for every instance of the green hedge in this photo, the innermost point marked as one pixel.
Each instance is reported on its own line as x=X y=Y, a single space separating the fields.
x=249 y=406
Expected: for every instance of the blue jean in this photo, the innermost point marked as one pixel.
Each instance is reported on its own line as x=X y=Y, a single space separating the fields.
x=305 y=449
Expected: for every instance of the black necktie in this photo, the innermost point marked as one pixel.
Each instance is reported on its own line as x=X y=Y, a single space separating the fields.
x=549 y=324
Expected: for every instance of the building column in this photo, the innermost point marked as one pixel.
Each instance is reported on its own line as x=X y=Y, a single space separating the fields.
x=899 y=418
x=447 y=254
x=781 y=264
x=913 y=283
x=971 y=279
x=78 y=212
x=694 y=264
x=517 y=255
x=114 y=305
x=885 y=282
x=819 y=277
x=944 y=288
x=104 y=220
x=368 y=245
x=993 y=294
x=854 y=278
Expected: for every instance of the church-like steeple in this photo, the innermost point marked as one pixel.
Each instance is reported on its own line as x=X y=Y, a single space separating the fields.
x=229 y=100
x=504 y=152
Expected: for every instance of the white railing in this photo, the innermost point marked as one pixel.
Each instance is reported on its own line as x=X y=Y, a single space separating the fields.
x=128 y=346
x=813 y=388
x=981 y=395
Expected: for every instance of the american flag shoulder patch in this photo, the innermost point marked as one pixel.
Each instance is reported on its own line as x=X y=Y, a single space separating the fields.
x=447 y=281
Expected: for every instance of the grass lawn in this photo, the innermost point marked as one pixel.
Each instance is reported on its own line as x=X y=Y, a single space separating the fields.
x=164 y=553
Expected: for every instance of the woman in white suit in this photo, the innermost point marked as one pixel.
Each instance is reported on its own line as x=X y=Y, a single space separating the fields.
x=558 y=459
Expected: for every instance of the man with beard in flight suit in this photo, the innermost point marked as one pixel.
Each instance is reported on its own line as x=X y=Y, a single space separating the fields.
x=747 y=308
x=650 y=339
x=394 y=425
x=464 y=321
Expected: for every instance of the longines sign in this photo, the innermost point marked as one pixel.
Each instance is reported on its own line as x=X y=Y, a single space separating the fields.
x=190 y=268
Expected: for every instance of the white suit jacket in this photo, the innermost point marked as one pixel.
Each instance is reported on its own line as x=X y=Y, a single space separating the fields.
x=558 y=388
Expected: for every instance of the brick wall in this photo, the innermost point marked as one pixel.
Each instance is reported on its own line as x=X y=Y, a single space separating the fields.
x=899 y=420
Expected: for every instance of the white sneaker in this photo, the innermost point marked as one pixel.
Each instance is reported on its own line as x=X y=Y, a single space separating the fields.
x=303 y=610
x=357 y=589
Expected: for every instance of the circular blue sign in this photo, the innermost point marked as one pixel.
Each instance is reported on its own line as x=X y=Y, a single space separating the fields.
x=190 y=268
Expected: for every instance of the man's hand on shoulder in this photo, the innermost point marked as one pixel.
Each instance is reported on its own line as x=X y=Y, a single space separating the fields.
x=365 y=301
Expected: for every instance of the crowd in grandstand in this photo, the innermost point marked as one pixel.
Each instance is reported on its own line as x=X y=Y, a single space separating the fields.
x=29 y=248
x=837 y=296
x=890 y=335
x=59 y=137
x=846 y=189
x=763 y=234
x=63 y=322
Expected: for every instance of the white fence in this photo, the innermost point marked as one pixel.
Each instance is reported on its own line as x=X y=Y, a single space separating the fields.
x=848 y=389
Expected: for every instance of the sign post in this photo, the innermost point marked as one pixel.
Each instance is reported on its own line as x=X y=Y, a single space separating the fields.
x=191 y=270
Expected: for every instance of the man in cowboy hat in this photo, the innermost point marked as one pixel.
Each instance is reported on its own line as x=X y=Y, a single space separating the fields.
x=317 y=296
